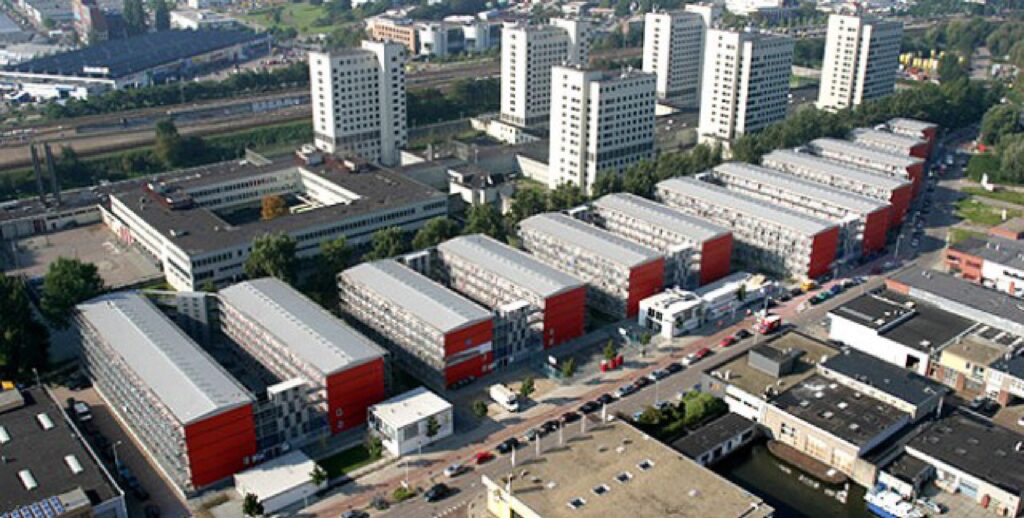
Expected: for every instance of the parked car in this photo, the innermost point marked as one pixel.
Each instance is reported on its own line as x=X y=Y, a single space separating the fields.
x=673 y=368
x=436 y=493
x=589 y=407
x=657 y=375
x=532 y=434
x=483 y=457
x=703 y=353
x=642 y=382
x=507 y=445
x=354 y=514
x=727 y=341
x=551 y=425
x=605 y=399
x=454 y=470
x=930 y=505
x=742 y=334
x=82 y=412
x=690 y=359
x=570 y=417
x=625 y=390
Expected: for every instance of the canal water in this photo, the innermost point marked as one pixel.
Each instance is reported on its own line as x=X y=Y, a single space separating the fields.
x=791 y=493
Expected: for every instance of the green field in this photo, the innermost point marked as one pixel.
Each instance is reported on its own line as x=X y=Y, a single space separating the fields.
x=957 y=235
x=346 y=461
x=302 y=17
x=979 y=213
x=1004 y=195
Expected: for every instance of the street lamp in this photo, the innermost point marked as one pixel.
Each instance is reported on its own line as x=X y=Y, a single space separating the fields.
x=117 y=462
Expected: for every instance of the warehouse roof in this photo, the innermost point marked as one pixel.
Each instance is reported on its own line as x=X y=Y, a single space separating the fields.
x=833 y=168
x=955 y=294
x=509 y=263
x=1006 y=252
x=432 y=303
x=122 y=57
x=885 y=140
x=746 y=205
x=315 y=336
x=178 y=372
x=875 y=158
x=910 y=125
x=593 y=240
x=816 y=191
x=915 y=324
x=662 y=216
x=895 y=381
x=712 y=435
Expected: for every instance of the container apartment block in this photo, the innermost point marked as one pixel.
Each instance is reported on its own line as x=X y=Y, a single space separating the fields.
x=891 y=142
x=769 y=237
x=296 y=339
x=863 y=222
x=495 y=275
x=914 y=128
x=436 y=333
x=194 y=421
x=872 y=158
x=898 y=193
x=619 y=272
x=697 y=251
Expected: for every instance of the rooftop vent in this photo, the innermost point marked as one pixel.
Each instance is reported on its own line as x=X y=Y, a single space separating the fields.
x=576 y=503
x=645 y=464
x=44 y=421
x=854 y=427
x=600 y=489
x=842 y=405
x=27 y=480
x=73 y=464
x=624 y=477
x=4 y=436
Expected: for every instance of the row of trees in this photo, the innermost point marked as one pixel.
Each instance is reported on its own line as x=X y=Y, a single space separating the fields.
x=1002 y=134
x=466 y=97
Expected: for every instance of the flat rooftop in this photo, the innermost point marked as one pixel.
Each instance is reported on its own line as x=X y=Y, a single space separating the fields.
x=753 y=381
x=1011 y=226
x=749 y=207
x=1013 y=366
x=506 y=262
x=43 y=453
x=671 y=484
x=975 y=351
x=838 y=410
x=1006 y=252
x=186 y=380
x=198 y=230
x=949 y=291
x=976 y=446
x=661 y=216
x=122 y=57
x=905 y=124
x=884 y=139
x=805 y=188
x=833 y=168
x=318 y=338
x=904 y=320
x=712 y=434
x=872 y=155
x=897 y=382
x=873 y=311
x=437 y=306
x=591 y=239
x=907 y=468
x=410 y=407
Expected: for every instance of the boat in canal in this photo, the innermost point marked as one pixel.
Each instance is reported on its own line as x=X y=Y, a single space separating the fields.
x=889 y=504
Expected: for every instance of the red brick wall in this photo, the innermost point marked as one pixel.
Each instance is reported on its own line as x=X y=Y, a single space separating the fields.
x=218 y=445
x=968 y=265
x=823 y=252
x=468 y=338
x=644 y=280
x=353 y=390
x=715 y=259
x=897 y=286
x=900 y=201
x=876 y=225
x=564 y=315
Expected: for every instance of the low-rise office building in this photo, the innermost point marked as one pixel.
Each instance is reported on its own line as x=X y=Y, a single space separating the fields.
x=402 y=422
x=619 y=273
x=768 y=237
x=1004 y=378
x=991 y=261
x=899 y=166
x=194 y=421
x=716 y=440
x=901 y=388
x=897 y=193
x=863 y=222
x=341 y=371
x=434 y=332
x=975 y=458
x=675 y=311
x=497 y=275
x=396 y=29
x=696 y=251
x=891 y=142
x=960 y=297
x=963 y=366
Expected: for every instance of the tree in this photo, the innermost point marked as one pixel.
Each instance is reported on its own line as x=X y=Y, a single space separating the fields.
x=485 y=219
x=272 y=206
x=161 y=16
x=334 y=255
x=434 y=232
x=479 y=408
x=569 y=367
x=374 y=446
x=251 y=505
x=134 y=15
x=24 y=342
x=272 y=255
x=999 y=121
x=741 y=293
x=609 y=350
x=387 y=242
x=67 y=283
x=607 y=182
x=318 y=476
x=208 y=287
x=650 y=416
x=1012 y=161
x=565 y=196
x=526 y=388
x=433 y=427
x=950 y=68
x=639 y=179
x=645 y=338
x=526 y=203
x=169 y=146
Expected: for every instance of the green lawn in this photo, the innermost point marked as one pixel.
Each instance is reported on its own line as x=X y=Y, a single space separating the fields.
x=1003 y=195
x=346 y=461
x=957 y=235
x=979 y=213
x=302 y=17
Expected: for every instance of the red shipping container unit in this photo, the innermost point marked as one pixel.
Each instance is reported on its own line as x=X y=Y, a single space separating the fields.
x=715 y=259
x=876 y=228
x=220 y=445
x=917 y=129
x=823 y=253
x=351 y=391
x=644 y=280
x=900 y=200
x=467 y=351
x=564 y=316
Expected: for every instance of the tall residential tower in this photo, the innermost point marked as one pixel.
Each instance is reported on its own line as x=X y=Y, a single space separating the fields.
x=861 y=59
x=674 y=51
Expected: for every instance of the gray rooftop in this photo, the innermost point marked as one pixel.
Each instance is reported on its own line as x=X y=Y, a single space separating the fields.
x=960 y=296
x=710 y=435
x=175 y=368
x=1007 y=252
x=749 y=207
x=872 y=155
x=593 y=240
x=922 y=327
x=315 y=336
x=663 y=216
x=895 y=381
x=435 y=305
x=509 y=263
x=838 y=197
x=1014 y=365
x=905 y=124
x=833 y=168
x=884 y=139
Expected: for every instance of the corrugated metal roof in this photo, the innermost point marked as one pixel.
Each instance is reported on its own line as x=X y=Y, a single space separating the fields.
x=657 y=214
x=910 y=125
x=845 y=148
x=833 y=168
x=514 y=265
x=312 y=334
x=430 y=302
x=177 y=370
x=790 y=183
x=594 y=240
x=884 y=139
x=746 y=205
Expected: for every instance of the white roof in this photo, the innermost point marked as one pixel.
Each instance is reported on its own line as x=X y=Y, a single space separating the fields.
x=833 y=168
x=749 y=207
x=316 y=337
x=901 y=124
x=594 y=240
x=410 y=407
x=663 y=216
x=514 y=265
x=845 y=148
x=884 y=139
x=276 y=476
x=177 y=371
x=790 y=183
x=427 y=300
